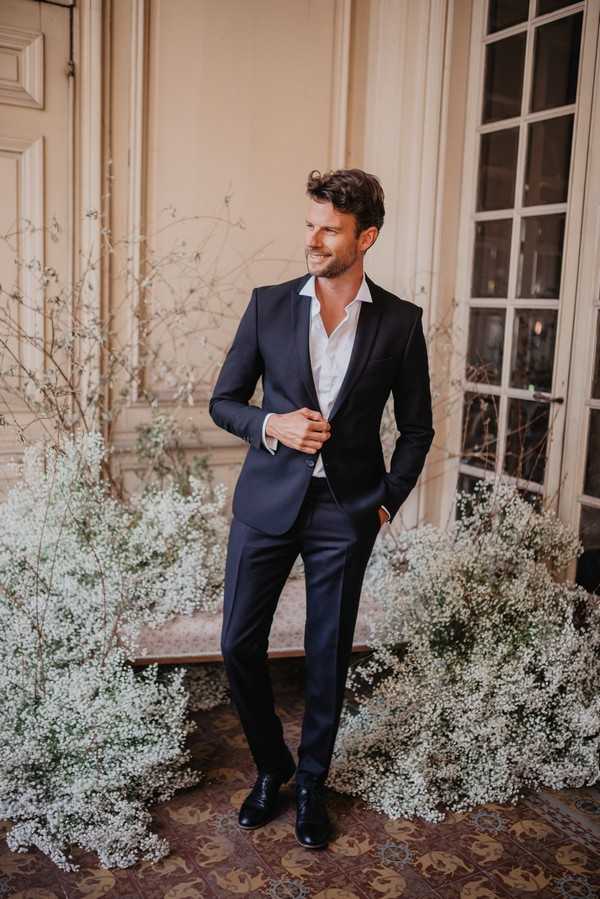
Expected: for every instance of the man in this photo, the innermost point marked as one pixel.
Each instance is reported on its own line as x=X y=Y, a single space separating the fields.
x=330 y=346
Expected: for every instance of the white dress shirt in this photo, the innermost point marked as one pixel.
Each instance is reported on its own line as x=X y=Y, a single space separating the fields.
x=329 y=357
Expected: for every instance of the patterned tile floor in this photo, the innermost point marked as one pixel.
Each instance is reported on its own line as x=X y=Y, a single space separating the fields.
x=548 y=846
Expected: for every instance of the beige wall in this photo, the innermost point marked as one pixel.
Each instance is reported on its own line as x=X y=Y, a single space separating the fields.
x=181 y=103
x=236 y=99
x=245 y=98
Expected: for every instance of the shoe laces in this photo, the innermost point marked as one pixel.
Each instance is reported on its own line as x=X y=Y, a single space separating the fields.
x=310 y=797
x=266 y=784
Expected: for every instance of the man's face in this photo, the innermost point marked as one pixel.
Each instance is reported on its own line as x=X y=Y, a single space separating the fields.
x=331 y=245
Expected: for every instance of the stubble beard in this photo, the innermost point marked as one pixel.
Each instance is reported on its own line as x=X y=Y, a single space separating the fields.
x=334 y=265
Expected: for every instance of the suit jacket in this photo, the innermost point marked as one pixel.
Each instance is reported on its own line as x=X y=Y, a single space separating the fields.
x=389 y=355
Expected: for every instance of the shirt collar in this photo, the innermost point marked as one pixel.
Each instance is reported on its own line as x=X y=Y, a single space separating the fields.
x=309 y=290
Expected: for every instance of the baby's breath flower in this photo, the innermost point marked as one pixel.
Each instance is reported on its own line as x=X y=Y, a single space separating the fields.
x=87 y=742
x=484 y=677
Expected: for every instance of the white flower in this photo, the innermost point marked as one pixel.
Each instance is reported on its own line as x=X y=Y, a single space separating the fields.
x=86 y=741
x=483 y=682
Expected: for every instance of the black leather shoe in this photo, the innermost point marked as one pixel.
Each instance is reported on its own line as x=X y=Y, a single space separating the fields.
x=260 y=804
x=313 y=827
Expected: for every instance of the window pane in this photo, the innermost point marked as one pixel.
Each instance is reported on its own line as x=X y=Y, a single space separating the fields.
x=491 y=258
x=480 y=430
x=591 y=484
x=596 y=374
x=540 y=256
x=556 y=63
x=545 y=6
x=532 y=356
x=526 y=439
x=504 y=13
x=589 y=527
x=534 y=499
x=485 y=345
x=548 y=160
x=466 y=484
x=503 y=86
x=497 y=169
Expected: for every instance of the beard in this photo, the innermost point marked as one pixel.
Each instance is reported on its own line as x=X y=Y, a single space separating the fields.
x=331 y=266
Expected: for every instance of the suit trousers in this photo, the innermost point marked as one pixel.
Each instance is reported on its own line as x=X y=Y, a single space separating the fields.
x=335 y=551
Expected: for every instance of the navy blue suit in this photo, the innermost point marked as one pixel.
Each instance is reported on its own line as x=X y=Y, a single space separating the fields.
x=280 y=511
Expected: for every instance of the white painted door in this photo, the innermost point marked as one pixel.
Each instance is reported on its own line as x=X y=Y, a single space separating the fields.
x=36 y=178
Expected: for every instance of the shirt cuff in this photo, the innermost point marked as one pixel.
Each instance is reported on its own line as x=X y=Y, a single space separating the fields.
x=271 y=443
x=387 y=512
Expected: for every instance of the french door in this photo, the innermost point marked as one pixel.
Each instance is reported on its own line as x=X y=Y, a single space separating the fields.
x=528 y=128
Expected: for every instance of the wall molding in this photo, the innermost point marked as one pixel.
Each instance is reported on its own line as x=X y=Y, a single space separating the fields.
x=136 y=218
x=90 y=31
x=29 y=157
x=27 y=89
x=340 y=82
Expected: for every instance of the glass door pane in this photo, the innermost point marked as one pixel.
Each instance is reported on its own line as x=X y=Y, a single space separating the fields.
x=526 y=437
x=492 y=255
x=589 y=524
x=504 y=13
x=591 y=484
x=503 y=88
x=485 y=345
x=480 y=430
x=596 y=369
x=548 y=161
x=533 y=342
x=498 y=169
x=545 y=6
x=540 y=256
x=556 y=63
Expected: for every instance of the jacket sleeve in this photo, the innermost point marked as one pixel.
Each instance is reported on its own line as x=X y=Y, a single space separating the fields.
x=413 y=414
x=228 y=405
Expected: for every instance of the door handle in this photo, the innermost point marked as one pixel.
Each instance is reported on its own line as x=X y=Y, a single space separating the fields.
x=546 y=398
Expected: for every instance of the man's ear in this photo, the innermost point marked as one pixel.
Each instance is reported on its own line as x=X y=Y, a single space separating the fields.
x=374 y=239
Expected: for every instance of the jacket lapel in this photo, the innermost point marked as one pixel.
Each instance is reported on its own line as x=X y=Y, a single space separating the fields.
x=301 y=331
x=366 y=329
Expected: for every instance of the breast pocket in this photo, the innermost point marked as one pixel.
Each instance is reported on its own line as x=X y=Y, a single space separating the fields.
x=381 y=359
x=382 y=366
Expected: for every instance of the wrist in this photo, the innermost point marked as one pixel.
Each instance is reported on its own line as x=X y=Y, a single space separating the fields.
x=269 y=431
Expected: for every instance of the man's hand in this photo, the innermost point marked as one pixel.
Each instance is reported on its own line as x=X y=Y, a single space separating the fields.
x=305 y=429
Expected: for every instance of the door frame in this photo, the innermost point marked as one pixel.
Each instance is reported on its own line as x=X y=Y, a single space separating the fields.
x=584 y=334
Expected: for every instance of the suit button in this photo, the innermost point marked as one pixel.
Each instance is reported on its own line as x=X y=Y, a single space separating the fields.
x=310 y=463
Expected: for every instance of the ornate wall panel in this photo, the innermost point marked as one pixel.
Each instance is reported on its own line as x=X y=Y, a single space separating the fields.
x=21 y=67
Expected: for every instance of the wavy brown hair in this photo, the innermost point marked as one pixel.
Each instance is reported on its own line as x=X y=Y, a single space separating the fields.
x=350 y=190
